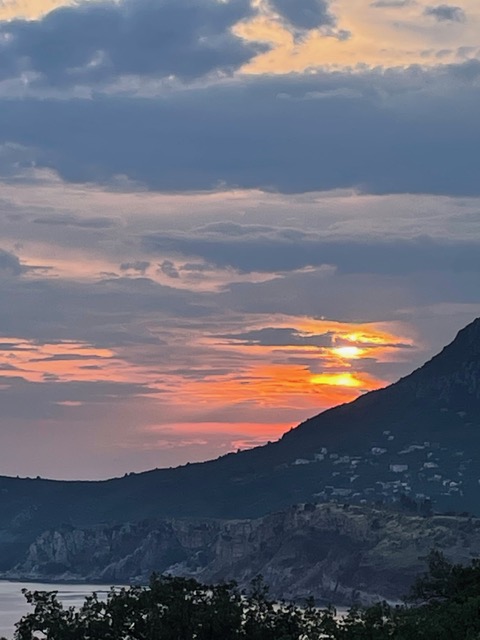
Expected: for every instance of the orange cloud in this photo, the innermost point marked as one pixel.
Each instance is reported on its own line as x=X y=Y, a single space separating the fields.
x=380 y=37
x=30 y=9
x=302 y=378
x=63 y=361
x=224 y=376
x=282 y=385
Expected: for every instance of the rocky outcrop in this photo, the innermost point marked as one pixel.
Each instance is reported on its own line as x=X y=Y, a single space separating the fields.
x=334 y=553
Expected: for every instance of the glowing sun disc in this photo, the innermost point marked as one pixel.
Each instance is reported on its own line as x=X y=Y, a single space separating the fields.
x=336 y=380
x=348 y=352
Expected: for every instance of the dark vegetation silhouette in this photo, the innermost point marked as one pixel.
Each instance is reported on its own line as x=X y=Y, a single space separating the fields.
x=444 y=604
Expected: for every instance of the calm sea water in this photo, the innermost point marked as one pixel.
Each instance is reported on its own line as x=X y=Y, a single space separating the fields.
x=13 y=605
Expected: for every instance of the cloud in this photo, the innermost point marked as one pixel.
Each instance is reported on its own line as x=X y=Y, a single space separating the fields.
x=70 y=220
x=183 y=353
x=279 y=337
x=114 y=307
x=98 y=42
x=15 y=160
x=63 y=357
x=10 y=264
x=446 y=13
x=187 y=358
x=257 y=248
x=304 y=14
x=399 y=131
x=140 y=266
x=391 y=3
x=38 y=398
x=169 y=269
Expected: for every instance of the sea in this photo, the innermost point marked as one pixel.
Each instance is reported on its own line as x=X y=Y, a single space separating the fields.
x=13 y=604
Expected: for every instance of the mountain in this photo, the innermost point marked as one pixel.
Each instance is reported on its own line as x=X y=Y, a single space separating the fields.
x=331 y=552
x=414 y=444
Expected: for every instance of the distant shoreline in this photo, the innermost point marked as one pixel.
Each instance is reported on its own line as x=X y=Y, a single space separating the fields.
x=64 y=581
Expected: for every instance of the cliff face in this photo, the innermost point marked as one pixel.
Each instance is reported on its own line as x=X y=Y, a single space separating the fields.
x=335 y=554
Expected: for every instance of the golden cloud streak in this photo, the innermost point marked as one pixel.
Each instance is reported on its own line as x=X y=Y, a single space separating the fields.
x=31 y=9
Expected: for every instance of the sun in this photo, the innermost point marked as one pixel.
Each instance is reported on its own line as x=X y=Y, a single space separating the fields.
x=348 y=352
x=336 y=380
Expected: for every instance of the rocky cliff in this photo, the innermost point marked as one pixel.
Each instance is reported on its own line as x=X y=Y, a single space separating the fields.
x=335 y=553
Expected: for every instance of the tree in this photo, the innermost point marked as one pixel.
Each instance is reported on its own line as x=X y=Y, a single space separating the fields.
x=169 y=609
x=444 y=604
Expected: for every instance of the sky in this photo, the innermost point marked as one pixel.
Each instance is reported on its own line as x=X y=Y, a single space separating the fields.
x=221 y=217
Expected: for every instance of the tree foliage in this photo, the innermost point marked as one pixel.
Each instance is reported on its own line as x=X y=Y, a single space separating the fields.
x=444 y=604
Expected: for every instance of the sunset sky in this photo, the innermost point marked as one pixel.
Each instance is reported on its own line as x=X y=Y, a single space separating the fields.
x=220 y=217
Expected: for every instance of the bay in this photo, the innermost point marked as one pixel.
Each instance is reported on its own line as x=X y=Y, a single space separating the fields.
x=13 y=604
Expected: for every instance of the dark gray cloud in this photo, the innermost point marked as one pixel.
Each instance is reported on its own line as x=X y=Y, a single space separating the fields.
x=446 y=13
x=95 y=42
x=304 y=14
x=13 y=346
x=391 y=3
x=71 y=220
x=140 y=266
x=168 y=268
x=10 y=264
x=405 y=130
x=102 y=313
x=280 y=337
x=363 y=297
x=63 y=357
x=15 y=159
x=256 y=248
x=21 y=398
